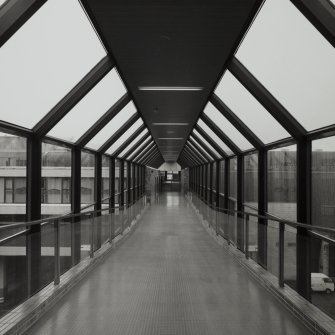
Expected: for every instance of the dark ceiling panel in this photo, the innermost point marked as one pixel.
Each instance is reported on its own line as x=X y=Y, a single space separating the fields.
x=171 y=43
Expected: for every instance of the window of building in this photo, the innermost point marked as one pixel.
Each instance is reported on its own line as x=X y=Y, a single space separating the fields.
x=13 y=171
x=251 y=180
x=87 y=178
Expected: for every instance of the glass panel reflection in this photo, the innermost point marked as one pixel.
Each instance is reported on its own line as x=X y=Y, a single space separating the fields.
x=87 y=178
x=282 y=176
x=13 y=160
x=56 y=180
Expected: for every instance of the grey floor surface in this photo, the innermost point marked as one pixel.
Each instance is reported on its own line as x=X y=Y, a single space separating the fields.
x=169 y=277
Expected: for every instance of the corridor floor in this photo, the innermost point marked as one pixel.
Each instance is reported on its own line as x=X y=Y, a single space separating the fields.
x=168 y=277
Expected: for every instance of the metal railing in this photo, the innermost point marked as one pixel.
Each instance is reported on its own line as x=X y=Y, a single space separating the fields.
x=57 y=244
x=241 y=228
x=313 y=230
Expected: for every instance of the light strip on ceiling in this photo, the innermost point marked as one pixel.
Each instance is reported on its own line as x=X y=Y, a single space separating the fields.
x=170 y=124
x=170 y=88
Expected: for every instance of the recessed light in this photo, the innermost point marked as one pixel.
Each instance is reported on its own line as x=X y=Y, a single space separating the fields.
x=170 y=88
x=170 y=124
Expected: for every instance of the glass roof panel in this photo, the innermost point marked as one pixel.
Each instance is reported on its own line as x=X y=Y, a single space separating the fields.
x=134 y=142
x=140 y=153
x=227 y=127
x=89 y=109
x=137 y=150
x=293 y=61
x=206 y=142
x=204 y=149
x=111 y=127
x=249 y=110
x=196 y=151
x=214 y=137
x=44 y=60
x=124 y=137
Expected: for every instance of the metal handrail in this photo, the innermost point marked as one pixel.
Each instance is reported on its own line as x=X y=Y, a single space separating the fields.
x=271 y=217
x=59 y=218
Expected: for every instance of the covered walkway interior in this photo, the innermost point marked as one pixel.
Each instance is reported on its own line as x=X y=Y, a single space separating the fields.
x=106 y=104
x=169 y=277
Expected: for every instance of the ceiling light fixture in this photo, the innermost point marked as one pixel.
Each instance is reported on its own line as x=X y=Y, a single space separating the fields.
x=170 y=88
x=170 y=124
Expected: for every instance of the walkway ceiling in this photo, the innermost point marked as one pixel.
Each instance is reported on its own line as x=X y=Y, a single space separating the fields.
x=173 y=44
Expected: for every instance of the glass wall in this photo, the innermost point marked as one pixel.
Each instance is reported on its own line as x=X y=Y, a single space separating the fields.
x=87 y=178
x=56 y=180
x=13 y=160
x=323 y=182
x=282 y=180
x=282 y=202
x=250 y=199
x=323 y=214
x=251 y=180
x=233 y=178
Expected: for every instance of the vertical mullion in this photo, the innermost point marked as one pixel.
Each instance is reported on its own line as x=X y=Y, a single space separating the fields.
x=112 y=183
x=97 y=192
x=33 y=243
x=128 y=184
x=75 y=205
x=226 y=183
x=121 y=181
x=262 y=206
x=240 y=186
x=304 y=166
x=217 y=184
